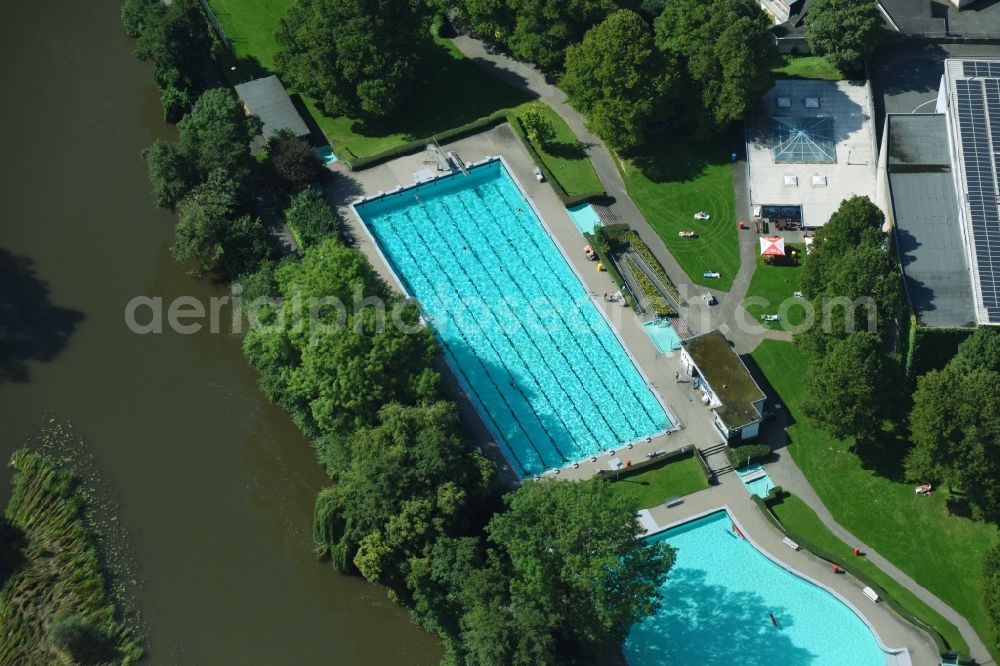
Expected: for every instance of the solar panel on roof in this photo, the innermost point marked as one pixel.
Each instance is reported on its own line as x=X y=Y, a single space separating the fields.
x=978 y=102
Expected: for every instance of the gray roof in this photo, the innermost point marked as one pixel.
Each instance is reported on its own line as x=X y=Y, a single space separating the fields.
x=267 y=99
x=918 y=140
x=925 y=210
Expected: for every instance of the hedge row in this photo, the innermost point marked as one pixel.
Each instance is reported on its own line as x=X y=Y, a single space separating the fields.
x=776 y=495
x=749 y=454
x=932 y=348
x=567 y=200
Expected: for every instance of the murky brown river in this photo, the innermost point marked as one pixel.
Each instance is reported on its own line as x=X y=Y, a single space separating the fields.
x=215 y=485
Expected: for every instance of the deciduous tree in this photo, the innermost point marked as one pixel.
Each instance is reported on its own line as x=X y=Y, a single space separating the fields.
x=854 y=389
x=311 y=216
x=576 y=570
x=169 y=174
x=537 y=125
x=724 y=48
x=294 y=164
x=216 y=135
x=991 y=587
x=955 y=424
x=536 y=31
x=619 y=79
x=357 y=57
x=175 y=37
x=845 y=32
x=336 y=360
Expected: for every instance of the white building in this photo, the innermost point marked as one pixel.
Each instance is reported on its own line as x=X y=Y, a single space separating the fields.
x=725 y=386
x=811 y=147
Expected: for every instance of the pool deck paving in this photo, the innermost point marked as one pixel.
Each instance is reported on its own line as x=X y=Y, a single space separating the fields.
x=679 y=396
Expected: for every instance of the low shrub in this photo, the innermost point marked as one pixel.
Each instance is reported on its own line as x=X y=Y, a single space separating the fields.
x=741 y=456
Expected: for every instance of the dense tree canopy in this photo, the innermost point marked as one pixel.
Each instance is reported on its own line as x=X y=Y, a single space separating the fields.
x=854 y=389
x=169 y=173
x=538 y=31
x=845 y=32
x=619 y=79
x=357 y=57
x=293 y=162
x=331 y=359
x=175 y=37
x=724 y=48
x=217 y=134
x=955 y=424
x=851 y=278
x=575 y=569
x=211 y=232
x=562 y=579
x=404 y=483
x=311 y=217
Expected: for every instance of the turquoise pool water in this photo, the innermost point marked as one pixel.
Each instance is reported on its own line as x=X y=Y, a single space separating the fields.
x=542 y=365
x=717 y=605
x=325 y=153
x=663 y=335
x=759 y=486
x=585 y=218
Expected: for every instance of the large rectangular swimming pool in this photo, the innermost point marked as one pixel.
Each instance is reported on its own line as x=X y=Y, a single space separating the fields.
x=543 y=366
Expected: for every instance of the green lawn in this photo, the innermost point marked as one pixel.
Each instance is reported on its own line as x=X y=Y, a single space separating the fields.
x=455 y=90
x=806 y=67
x=672 y=178
x=776 y=284
x=940 y=550
x=648 y=489
x=799 y=518
x=250 y=26
x=565 y=159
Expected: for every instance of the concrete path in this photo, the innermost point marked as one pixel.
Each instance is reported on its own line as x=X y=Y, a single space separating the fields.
x=786 y=474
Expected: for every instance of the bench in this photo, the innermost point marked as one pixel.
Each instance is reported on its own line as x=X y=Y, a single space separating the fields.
x=791 y=544
x=673 y=501
x=871 y=594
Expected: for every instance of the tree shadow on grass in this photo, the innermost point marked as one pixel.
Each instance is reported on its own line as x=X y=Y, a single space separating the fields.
x=454 y=91
x=566 y=151
x=31 y=327
x=773 y=431
x=675 y=155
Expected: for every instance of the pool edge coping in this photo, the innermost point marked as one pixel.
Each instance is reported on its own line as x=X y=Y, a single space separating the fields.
x=894 y=652
x=675 y=423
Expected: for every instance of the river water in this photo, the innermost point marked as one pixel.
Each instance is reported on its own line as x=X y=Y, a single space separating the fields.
x=215 y=485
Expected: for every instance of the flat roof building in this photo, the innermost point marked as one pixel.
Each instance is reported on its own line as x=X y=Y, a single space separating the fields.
x=726 y=386
x=811 y=147
x=918 y=189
